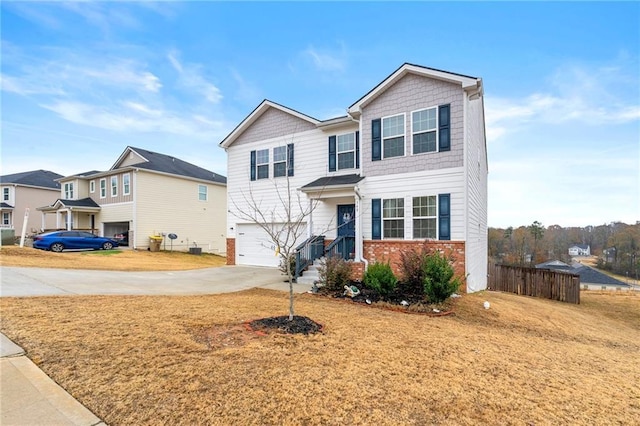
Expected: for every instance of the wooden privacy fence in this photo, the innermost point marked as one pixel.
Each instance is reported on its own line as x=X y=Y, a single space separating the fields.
x=535 y=282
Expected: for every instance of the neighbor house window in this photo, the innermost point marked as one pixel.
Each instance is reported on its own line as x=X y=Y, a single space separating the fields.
x=6 y=218
x=262 y=163
x=424 y=217
x=5 y=194
x=103 y=188
x=393 y=136
x=279 y=161
x=68 y=190
x=92 y=186
x=346 y=151
x=424 y=128
x=126 y=184
x=393 y=218
x=114 y=186
x=202 y=192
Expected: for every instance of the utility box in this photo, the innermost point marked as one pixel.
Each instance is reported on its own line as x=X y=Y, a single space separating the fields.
x=154 y=243
x=195 y=250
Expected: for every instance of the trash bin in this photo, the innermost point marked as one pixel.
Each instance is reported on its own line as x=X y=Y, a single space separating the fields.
x=195 y=250
x=154 y=243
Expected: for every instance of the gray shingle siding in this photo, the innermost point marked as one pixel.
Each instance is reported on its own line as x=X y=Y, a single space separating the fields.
x=271 y=124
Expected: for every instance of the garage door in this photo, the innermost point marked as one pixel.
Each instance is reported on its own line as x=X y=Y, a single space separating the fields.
x=254 y=247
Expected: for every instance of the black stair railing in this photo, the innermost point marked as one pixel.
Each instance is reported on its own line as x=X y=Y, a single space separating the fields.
x=307 y=252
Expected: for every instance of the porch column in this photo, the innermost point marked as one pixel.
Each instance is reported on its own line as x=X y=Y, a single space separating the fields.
x=43 y=216
x=57 y=219
x=68 y=219
x=310 y=222
x=358 y=228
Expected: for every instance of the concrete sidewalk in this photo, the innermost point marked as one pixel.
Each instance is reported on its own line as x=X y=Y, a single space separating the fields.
x=28 y=396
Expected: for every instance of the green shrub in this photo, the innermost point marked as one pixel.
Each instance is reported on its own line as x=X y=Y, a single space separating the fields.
x=439 y=282
x=335 y=273
x=380 y=277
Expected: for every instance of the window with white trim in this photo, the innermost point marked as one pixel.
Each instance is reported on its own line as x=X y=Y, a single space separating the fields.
x=5 y=194
x=262 y=164
x=202 y=192
x=393 y=136
x=6 y=218
x=279 y=161
x=103 y=188
x=425 y=217
x=68 y=191
x=92 y=186
x=346 y=151
x=114 y=186
x=393 y=218
x=424 y=130
x=126 y=184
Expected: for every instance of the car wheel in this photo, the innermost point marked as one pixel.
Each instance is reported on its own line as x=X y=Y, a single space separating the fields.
x=57 y=247
x=107 y=246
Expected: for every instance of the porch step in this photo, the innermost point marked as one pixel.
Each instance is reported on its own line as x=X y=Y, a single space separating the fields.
x=311 y=275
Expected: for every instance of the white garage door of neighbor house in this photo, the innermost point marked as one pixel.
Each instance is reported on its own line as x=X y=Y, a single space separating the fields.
x=255 y=248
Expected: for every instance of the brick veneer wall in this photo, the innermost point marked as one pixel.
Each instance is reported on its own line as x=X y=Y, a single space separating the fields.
x=389 y=251
x=231 y=251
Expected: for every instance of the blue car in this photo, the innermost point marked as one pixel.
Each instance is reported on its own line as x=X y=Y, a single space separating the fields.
x=72 y=240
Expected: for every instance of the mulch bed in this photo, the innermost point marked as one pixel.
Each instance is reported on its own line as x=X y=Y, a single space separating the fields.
x=282 y=324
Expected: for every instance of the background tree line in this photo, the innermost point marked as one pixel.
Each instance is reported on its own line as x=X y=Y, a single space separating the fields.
x=616 y=244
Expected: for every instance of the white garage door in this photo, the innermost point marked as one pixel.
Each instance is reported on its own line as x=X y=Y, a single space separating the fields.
x=254 y=247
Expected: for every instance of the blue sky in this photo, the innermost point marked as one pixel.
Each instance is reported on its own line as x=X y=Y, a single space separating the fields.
x=82 y=80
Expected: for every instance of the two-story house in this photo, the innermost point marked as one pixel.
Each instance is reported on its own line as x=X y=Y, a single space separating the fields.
x=407 y=165
x=146 y=194
x=22 y=193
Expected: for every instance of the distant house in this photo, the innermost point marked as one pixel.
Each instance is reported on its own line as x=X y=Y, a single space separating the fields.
x=27 y=190
x=590 y=278
x=580 y=250
x=145 y=194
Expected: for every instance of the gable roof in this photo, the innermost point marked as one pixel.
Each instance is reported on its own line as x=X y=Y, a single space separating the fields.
x=6 y=206
x=580 y=246
x=39 y=178
x=470 y=84
x=85 y=203
x=256 y=113
x=162 y=163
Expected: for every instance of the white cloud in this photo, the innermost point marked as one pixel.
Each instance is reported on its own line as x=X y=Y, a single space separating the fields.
x=191 y=77
x=327 y=60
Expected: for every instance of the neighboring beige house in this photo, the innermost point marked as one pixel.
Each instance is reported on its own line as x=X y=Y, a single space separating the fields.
x=146 y=194
x=27 y=190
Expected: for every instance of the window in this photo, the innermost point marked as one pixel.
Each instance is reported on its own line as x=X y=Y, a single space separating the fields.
x=424 y=130
x=424 y=217
x=202 y=192
x=262 y=163
x=279 y=161
x=5 y=194
x=68 y=191
x=346 y=151
x=393 y=136
x=6 y=218
x=92 y=186
x=103 y=188
x=126 y=184
x=114 y=186
x=393 y=218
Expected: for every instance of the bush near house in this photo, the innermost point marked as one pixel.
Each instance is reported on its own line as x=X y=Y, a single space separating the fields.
x=335 y=273
x=380 y=278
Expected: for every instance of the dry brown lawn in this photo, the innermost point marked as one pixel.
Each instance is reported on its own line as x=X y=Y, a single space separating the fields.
x=190 y=360
x=114 y=260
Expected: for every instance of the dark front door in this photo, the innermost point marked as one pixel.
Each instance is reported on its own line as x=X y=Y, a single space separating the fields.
x=346 y=220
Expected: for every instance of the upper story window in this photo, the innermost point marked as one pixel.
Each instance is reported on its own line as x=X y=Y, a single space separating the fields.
x=393 y=136
x=103 y=188
x=393 y=218
x=6 y=218
x=424 y=128
x=68 y=191
x=126 y=184
x=5 y=194
x=262 y=163
x=202 y=192
x=114 y=186
x=424 y=217
x=346 y=151
x=92 y=186
x=279 y=161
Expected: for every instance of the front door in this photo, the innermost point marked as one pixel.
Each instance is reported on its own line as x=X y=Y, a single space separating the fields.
x=346 y=220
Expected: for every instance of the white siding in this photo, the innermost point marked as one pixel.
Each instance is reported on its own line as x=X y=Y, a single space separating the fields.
x=476 y=166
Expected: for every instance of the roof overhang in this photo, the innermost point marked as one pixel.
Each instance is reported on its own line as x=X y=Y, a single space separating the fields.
x=257 y=113
x=332 y=186
x=74 y=205
x=337 y=122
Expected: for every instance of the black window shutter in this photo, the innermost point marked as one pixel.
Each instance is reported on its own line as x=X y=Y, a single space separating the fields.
x=357 y=150
x=376 y=219
x=376 y=139
x=290 y=159
x=444 y=216
x=444 y=127
x=332 y=153
x=253 y=165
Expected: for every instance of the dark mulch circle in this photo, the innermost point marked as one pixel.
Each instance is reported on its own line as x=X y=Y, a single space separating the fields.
x=298 y=325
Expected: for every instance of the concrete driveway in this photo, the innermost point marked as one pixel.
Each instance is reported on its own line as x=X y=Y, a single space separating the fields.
x=47 y=282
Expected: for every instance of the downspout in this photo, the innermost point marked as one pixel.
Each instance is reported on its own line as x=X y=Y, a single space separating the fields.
x=135 y=207
x=356 y=190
